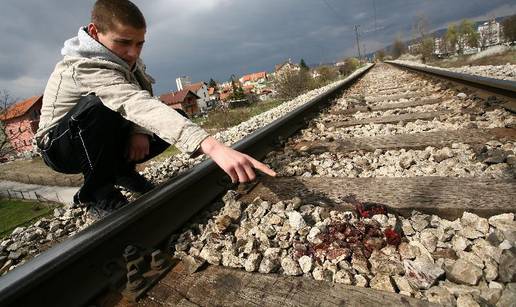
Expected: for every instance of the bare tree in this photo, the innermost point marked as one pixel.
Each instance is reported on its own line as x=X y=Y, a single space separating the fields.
x=425 y=41
x=398 y=48
x=380 y=55
x=6 y=149
x=292 y=84
x=327 y=73
x=509 y=28
x=421 y=26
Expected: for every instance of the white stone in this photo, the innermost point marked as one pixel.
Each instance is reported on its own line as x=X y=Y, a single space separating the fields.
x=305 y=262
x=473 y=226
x=290 y=266
x=422 y=274
x=313 y=236
x=429 y=240
x=296 y=220
x=466 y=300
x=17 y=231
x=382 y=282
x=252 y=262
x=321 y=274
x=464 y=272
x=361 y=281
x=459 y=243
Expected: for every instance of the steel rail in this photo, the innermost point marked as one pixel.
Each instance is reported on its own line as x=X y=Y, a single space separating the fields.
x=80 y=268
x=498 y=86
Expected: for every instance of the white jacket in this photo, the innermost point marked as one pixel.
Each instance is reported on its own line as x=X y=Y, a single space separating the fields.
x=89 y=67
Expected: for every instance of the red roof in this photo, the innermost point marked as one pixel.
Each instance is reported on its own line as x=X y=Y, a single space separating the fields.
x=20 y=108
x=194 y=87
x=225 y=95
x=176 y=97
x=254 y=76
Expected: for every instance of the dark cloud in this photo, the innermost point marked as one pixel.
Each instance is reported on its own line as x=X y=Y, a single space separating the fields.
x=217 y=38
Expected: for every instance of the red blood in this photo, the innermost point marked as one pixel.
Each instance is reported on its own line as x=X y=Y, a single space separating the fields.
x=392 y=237
x=367 y=210
x=361 y=211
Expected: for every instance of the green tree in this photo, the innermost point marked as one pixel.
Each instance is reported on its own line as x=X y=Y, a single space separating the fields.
x=427 y=48
x=303 y=65
x=468 y=36
x=238 y=91
x=509 y=28
x=212 y=83
x=451 y=38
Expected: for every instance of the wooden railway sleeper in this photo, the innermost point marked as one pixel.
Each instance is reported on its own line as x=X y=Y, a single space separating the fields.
x=143 y=271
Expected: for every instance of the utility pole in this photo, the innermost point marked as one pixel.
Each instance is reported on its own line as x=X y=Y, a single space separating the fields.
x=358 y=43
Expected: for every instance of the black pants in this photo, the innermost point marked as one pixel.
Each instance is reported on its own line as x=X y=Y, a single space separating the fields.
x=93 y=140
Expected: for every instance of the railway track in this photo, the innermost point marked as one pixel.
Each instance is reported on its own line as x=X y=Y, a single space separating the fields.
x=393 y=143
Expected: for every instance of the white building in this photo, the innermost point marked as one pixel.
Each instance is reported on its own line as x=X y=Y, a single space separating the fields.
x=439 y=46
x=490 y=33
x=183 y=81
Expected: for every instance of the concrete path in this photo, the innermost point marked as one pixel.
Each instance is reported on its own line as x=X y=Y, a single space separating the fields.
x=62 y=195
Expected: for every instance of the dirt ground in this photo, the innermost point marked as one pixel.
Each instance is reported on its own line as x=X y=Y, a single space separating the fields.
x=35 y=171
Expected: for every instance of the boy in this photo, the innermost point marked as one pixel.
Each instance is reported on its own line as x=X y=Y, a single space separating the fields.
x=99 y=116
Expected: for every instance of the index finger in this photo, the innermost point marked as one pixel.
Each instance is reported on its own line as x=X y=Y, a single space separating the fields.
x=262 y=167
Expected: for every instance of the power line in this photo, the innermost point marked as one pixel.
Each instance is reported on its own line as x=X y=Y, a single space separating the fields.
x=332 y=9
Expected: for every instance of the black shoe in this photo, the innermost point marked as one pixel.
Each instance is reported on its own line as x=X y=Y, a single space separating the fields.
x=108 y=199
x=134 y=182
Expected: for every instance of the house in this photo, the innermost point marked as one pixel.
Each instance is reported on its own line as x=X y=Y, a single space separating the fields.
x=185 y=100
x=201 y=90
x=285 y=67
x=213 y=94
x=248 y=89
x=439 y=46
x=225 y=93
x=21 y=122
x=256 y=79
x=265 y=94
x=414 y=48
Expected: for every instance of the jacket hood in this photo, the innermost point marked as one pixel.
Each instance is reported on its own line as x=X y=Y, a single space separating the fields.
x=83 y=45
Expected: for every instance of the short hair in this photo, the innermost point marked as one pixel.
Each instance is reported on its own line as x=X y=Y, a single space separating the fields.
x=106 y=13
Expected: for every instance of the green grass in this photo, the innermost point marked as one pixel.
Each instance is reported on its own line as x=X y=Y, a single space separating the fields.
x=223 y=119
x=15 y=213
x=169 y=152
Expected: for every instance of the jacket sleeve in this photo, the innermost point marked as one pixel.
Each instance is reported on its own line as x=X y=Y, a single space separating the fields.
x=138 y=106
x=138 y=129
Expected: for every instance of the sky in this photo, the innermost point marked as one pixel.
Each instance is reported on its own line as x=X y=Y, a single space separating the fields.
x=207 y=39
